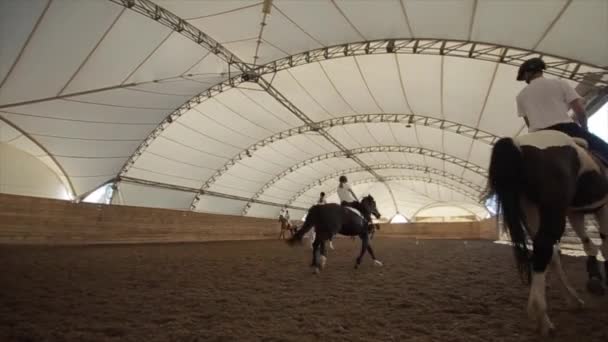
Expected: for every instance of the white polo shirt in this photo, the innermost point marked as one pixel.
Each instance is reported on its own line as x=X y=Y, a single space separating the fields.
x=546 y=102
x=344 y=192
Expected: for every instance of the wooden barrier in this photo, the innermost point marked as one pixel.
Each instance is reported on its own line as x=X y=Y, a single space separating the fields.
x=32 y=220
x=474 y=230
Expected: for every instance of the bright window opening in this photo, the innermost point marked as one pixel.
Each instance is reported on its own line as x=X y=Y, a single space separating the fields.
x=103 y=195
x=398 y=218
x=598 y=122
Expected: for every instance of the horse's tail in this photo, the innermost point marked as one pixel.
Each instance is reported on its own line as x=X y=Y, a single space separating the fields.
x=506 y=181
x=309 y=223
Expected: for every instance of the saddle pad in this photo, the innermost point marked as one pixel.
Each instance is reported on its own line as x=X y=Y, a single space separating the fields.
x=354 y=211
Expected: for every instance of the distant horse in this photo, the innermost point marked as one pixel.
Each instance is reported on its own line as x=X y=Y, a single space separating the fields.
x=286 y=226
x=539 y=179
x=331 y=219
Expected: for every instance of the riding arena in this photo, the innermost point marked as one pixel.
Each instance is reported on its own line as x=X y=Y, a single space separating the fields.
x=322 y=170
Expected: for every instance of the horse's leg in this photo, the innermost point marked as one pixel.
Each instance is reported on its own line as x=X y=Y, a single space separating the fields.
x=371 y=252
x=552 y=224
x=364 y=244
x=602 y=219
x=331 y=244
x=572 y=297
x=594 y=283
x=323 y=254
x=315 y=255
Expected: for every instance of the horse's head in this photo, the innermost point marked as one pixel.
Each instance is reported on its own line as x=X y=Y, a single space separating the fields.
x=369 y=204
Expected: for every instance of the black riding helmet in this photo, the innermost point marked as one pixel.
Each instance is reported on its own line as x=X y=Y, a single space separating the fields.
x=531 y=65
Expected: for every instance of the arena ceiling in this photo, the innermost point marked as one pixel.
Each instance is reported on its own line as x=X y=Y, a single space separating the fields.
x=240 y=107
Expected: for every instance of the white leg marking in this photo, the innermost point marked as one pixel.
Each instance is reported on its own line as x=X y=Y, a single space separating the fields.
x=537 y=304
x=572 y=297
x=602 y=219
x=577 y=221
x=378 y=263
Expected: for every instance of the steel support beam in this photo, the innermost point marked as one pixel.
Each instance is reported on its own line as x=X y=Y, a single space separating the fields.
x=446 y=185
x=411 y=167
x=405 y=119
x=369 y=149
x=144 y=182
x=556 y=66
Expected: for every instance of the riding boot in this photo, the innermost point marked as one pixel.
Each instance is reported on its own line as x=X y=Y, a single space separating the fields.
x=593 y=268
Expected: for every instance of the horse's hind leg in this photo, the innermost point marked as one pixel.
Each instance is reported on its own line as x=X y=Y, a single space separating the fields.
x=602 y=219
x=574 y=301
x=315 y=254
x=364 y=244
x=594 y=283
x=323 y=257
x=552 y=225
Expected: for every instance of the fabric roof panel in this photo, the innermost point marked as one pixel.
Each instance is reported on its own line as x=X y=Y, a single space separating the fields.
x=440 y=18
x=17 y=21
x=465 y=86
x=383 y=79
x=578 y=25
x=59 y=31
x=421 y=77
x=392 y=25
x=514 y=23
x=320 y=19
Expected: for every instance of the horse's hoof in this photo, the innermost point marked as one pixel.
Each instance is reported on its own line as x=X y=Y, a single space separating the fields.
x=323 y=261
x=595 y=286
x=316 y=271
x=378 y=263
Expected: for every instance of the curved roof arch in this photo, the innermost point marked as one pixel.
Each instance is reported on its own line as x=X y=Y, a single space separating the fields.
x=34 y=148
x=406 y=119
x=158 y=115
x=402 y=149
x=451 y=204
x=420 y=168
x=384 y=205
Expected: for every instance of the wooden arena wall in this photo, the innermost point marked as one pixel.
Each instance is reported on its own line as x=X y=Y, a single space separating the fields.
x=39 y=220
x=31 y=220
x=484 y=230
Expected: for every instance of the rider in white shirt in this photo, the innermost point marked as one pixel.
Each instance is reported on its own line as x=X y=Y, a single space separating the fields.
x=544 y=104
x=348 y=197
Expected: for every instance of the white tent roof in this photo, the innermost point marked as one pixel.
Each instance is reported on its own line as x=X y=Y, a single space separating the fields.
x=242 y=112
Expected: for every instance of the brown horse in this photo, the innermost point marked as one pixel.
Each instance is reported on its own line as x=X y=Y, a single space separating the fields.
x=539 y=179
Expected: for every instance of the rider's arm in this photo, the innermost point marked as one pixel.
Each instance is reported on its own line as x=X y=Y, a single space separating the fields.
x=521 y=112
x=352 y=192
x=355 y=196
x=575 y=101
x=579 y=109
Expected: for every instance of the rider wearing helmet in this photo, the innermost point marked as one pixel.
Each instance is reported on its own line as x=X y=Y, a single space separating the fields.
x=544 y=104
x=348 y=197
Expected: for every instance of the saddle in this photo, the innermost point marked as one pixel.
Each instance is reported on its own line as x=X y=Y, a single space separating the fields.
x=603 y=164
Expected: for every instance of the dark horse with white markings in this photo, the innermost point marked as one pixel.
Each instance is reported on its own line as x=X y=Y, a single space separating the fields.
x=331 y=219
x=540 y=179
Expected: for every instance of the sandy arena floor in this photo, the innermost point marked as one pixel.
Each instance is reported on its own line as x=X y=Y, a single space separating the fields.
x=264 y=291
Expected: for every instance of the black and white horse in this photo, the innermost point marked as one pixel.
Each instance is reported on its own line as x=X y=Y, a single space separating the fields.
x=540 y=179
x=331 y=219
